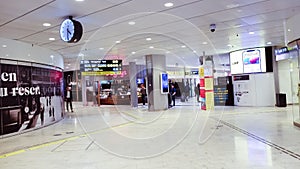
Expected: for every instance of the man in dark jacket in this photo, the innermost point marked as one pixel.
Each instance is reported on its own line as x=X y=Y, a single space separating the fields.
x=69 y=98
x=173 y=93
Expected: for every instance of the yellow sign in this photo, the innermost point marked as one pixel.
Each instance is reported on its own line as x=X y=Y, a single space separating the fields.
x=100 y=73
x=209 y=83
x=201 y=72
x=209 y=99
x=176 y=73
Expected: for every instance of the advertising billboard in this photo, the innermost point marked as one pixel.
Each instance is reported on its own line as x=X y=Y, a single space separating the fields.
x=248 y=61
x=30 y=97
x=164 y=83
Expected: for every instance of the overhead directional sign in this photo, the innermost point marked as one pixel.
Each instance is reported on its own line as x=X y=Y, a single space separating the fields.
x=100 y=67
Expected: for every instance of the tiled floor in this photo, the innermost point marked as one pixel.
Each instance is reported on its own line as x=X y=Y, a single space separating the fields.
x=110 y=137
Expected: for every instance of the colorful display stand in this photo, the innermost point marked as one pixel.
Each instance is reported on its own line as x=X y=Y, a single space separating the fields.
x=206 y=88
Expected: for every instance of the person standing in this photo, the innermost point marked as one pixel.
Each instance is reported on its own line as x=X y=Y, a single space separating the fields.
x=186 y=91
x=69 y=98
x=173 y=93
x=169 y=95
x=144 y=94
x=197 y=91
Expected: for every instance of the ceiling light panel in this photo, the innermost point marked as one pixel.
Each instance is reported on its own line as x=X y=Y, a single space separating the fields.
x=131 y=23
x=46 y=24
x=169 y=4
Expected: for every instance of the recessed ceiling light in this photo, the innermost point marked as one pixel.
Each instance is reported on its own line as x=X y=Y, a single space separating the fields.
x=46 y=24
x=51 y=56
x=167 y=51
x=4 y=46
x=269 y=43
x=148 y=39
x=204 y=43
x=79 y=0
x=51 y=39
x=183 y=46
x=289 y=30
x=151 y=47
x=131 y=23
x=194 y=51
x=101 y=48
x=251 y=33
x=118 y=41
x=133 y=53
x=229 y=45
x=169 y=4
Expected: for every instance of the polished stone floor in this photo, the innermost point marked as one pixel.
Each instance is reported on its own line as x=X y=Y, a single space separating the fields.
x=183 y=137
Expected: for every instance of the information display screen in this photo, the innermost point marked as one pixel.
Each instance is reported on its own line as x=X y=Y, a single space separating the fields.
x=248 y=61
x=164 y=83
x=100 y=67
x=140 y=81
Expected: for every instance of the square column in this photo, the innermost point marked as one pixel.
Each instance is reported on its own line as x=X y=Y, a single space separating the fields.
x=156 y=65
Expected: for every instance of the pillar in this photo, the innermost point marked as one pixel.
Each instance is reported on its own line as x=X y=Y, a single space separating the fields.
x=83 y=91
x=133 y=85
x=155 y=65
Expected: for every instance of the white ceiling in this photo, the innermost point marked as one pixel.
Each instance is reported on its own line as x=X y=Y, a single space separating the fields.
x=186 y=23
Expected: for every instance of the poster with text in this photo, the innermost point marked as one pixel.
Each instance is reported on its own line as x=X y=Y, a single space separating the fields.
x=30 y=97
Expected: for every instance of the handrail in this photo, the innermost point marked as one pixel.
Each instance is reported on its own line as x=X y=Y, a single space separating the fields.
x=10 y=107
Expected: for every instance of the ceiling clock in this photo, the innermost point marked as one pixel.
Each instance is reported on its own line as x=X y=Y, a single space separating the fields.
x=70 y=30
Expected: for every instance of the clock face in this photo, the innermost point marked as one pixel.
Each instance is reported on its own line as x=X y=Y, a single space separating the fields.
x=67 y=30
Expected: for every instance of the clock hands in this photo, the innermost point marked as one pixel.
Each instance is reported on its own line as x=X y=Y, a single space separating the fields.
x=68 y=32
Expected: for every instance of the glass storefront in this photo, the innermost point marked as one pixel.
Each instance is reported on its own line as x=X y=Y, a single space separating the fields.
x=295 y=83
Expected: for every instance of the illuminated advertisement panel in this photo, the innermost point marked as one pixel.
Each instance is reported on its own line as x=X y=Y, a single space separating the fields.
x=248 y=61
x=164 y=83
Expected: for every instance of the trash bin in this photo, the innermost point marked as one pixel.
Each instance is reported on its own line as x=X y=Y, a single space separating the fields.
x=280 y=99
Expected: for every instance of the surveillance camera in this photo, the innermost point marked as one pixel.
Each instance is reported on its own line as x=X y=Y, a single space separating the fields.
x=212 y=27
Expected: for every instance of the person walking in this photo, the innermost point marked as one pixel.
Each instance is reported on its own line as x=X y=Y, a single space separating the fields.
x=69 y=98
x=197 y=91
x=173 y=93
x=169 y=95
x=187 y=91
x=144 y=94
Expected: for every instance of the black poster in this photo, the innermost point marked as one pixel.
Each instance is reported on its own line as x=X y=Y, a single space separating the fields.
x=29 y=96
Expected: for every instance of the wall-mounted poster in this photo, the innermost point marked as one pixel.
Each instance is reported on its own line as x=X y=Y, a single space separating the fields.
x=30 y=97
x=164 y=83
x=236 y=63
x=254 y=60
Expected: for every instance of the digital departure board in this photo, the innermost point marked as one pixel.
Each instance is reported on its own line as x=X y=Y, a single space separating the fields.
x=100 y=67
